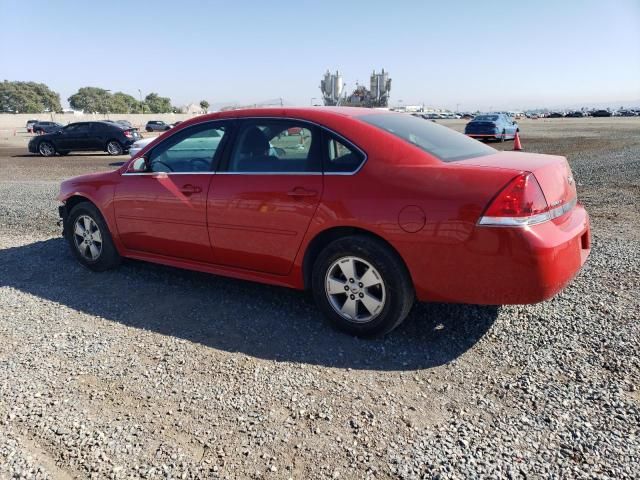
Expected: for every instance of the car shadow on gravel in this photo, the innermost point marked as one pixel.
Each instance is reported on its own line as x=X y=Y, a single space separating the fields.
x=236 y=316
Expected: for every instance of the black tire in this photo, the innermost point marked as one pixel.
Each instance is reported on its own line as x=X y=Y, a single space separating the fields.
x=399 y=292
x=109 y=257
x=46 y=149
x=149 y=129
x=114 y=148
x=503 y=136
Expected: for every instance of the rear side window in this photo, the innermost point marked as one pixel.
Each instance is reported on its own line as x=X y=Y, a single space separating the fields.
x=276 y=146
x=78 y=128
x=341 y=158
x=442 y=142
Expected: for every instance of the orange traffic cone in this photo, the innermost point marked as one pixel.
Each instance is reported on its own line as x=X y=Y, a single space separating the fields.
x=516 y=143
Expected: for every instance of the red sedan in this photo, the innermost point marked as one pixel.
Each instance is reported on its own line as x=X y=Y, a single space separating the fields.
x=368 y=209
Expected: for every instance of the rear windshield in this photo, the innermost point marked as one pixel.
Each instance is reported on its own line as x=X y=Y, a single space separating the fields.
x=442 y=142
x=486 y=118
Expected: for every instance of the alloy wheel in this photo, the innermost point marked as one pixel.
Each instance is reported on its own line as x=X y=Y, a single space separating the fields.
x=46 y=149
x=114 y=148
x=355 y=289
x=87 y=237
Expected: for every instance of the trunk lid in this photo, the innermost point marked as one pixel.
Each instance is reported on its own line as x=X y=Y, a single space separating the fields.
x=551 y=171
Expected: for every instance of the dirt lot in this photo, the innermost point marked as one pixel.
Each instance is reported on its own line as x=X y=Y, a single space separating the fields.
x=153 y=372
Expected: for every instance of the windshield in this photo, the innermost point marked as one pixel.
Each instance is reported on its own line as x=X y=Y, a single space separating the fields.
x=442 y=142
x=486 y=118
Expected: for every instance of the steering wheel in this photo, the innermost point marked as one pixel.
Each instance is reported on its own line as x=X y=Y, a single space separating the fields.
x=205 y=164
x=160 y=162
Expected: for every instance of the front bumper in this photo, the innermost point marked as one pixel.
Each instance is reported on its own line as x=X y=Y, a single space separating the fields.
x=63 y=213
x=505 y=265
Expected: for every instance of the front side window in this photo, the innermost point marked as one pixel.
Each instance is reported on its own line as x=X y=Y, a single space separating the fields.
x=191 y=150
x=342 y=158
x=276 y=146
x=440 y=141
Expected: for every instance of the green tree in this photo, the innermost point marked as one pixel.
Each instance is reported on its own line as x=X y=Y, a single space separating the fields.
x=204 y=105
x=28 y=97
x=154 y=103
x=91 y=100
x=123 y=103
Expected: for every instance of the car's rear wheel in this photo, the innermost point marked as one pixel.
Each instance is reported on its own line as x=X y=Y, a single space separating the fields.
x=362 y=286
x=46 y=149
x=89 y=238
x=114 y=148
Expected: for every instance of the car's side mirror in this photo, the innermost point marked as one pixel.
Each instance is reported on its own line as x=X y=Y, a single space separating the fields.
x=139 y=165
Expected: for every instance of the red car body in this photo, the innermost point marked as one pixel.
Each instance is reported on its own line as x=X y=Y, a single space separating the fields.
x=267 y=228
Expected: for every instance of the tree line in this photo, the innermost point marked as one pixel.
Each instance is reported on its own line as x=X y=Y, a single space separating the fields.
x=32 y=97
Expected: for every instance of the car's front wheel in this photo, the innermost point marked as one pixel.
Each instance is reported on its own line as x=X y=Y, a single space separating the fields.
x=46 y=149
x=362 y=286
x=89 y=238
x=114 y=148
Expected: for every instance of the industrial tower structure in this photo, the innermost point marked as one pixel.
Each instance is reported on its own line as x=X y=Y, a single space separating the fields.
x=333 y=91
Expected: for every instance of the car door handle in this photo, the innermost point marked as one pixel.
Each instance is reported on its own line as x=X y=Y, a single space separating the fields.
x=189 y=189
x=302 y=192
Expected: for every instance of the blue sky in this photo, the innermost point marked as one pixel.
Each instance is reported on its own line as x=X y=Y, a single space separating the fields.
x=478 y=54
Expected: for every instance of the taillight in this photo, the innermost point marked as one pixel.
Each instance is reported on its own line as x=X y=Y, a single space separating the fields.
x=520 y=203
x=128 y=134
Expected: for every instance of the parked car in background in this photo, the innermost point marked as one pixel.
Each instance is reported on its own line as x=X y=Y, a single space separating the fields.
x=139 y=145
x=30 y=124
x=601 y=113
x=156 y=126
x=85 y=136
x=367 y=209
x=555 y=115
x=575 y=114
x=494 y=126
x=46 y=127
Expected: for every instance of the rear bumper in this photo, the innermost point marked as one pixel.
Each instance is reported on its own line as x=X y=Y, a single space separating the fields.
x=508 y=265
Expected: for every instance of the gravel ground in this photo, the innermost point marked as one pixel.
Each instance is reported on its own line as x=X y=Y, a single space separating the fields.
x=154 y=372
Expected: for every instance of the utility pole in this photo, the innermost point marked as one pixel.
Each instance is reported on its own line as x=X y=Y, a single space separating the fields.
x=106 y=106
x=141 y=104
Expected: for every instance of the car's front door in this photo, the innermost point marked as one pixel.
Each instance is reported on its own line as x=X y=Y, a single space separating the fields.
x=74 y=137
x=265 y=194
x=162 y=210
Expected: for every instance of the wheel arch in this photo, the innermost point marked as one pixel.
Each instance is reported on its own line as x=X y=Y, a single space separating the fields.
x=325 y=237
x=75 y=199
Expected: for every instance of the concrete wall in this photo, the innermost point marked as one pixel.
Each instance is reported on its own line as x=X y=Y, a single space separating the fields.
x=18 y=121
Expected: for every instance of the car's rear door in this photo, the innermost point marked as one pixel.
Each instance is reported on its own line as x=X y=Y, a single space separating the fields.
x=163 y=210
x=264 y=196
x=96 y=139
